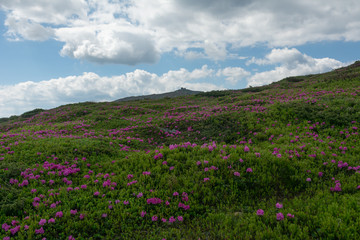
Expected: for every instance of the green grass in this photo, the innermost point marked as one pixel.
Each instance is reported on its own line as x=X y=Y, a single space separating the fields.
x=226 y=153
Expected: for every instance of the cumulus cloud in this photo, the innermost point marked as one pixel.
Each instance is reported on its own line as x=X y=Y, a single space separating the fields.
x=233 y=74
x=139 y=31
x=289 y=62
x=111 y=44
x=26 y=96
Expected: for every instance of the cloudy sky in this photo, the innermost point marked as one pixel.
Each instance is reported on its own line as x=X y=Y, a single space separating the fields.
x=66 y=51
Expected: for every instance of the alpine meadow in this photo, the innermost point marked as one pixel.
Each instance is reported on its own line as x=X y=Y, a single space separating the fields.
x=280 y=161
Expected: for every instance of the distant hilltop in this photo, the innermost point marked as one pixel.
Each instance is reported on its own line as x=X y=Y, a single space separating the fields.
x=178 y=93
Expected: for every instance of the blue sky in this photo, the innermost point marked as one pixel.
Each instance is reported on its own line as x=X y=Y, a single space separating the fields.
x=65 y=51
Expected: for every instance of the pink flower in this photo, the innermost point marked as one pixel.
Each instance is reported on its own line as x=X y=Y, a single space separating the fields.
x=104 y=215
x=14 y=222
x=320 y=174
x=154 y=218
x=126 y=202
x=308 y=179
x=71 y=237
x=237 y=174
x=279 y=216
x=249 y=170
x=33 y=190
x=260 y=212
x=163 y=219
x=172 y=219
x=81 y=216
x=53 y=205
x=14 y=230
x=96 y=193
x=180 y=218
x=51 y=220
x=290 y=215
x=143 y=213
x=73 y=212
x=246 y=149
x=42 y=222
x=278 y=205
x=59 y=214
x=175 y=194
x=83 y=186
x=171 y=168
x=39 y=231
x=206 y=179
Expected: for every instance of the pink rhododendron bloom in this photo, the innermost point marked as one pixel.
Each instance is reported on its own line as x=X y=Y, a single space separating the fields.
x=279 y=216
x=206 y=179
x=59 y=214
x=180 y=218
x=14 y=222
x=308 y=179
x=81 y=216
x=249 y=170
x=39 y=231
x=42 y=222
x=278 y=205
x=172 y=219
x=51 y=220
x=290 y=215
x=164 y=220
x=154 y=218
x=126 y=202
x=175 y=194
x=73 y=212
x=246 y=149
x=143 y=213
x=260 y=212
x=237 y=174
x=14 y=230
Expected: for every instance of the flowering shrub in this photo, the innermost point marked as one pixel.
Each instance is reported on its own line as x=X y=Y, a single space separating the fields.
x=171 y=168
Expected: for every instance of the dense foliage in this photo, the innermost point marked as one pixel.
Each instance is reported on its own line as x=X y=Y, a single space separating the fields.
x=278 y=161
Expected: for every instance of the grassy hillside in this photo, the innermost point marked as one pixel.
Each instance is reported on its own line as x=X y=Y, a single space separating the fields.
x=273 y=162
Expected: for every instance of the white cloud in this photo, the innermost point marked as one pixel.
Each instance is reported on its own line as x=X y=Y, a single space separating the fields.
x=26 y=96
x=290 y=62
x=138 y=31
x=113 y=43
x=233 y=74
